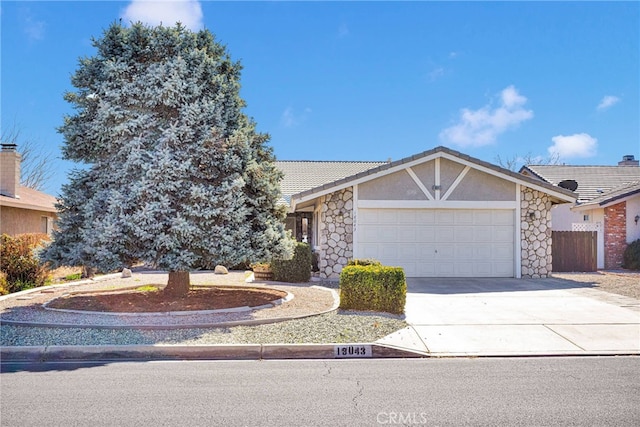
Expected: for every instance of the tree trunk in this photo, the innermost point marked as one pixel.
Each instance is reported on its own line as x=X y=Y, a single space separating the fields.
x=178 y=284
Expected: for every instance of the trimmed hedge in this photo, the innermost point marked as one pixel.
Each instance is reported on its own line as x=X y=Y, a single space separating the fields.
x=364 y=261
x=631 y=257
x=294 y=270
x=373 y=287
x=19 y=263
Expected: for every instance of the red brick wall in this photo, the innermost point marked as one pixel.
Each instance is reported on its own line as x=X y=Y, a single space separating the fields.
x=615 y=235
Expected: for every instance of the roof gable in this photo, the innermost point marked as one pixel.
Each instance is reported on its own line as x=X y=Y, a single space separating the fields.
x=418 y=159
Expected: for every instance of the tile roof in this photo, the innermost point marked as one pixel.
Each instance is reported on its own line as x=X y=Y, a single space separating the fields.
x=312 y=177
x=300 y=176
x=593 y=181
x=30 y=199
x=615 y=194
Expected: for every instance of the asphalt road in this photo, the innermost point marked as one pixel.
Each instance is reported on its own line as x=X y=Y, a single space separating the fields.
x=602 y=391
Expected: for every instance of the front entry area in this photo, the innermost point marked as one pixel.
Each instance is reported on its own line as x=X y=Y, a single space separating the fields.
x=439 y=242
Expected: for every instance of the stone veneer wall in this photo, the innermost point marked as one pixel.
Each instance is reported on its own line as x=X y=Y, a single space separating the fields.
x=535 y=234
x=336 y=232
x=615 y=235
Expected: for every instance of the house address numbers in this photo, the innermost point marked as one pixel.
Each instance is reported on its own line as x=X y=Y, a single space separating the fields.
x=352 y=351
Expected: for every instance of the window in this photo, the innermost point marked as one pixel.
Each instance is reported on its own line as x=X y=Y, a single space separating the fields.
x=45 y=225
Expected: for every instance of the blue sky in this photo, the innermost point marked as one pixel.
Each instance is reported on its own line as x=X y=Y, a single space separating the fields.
x=370 y=80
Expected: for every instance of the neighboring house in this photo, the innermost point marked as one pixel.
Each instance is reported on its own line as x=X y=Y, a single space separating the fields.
x=22 y=209
x=608 y=203
x=436 y=214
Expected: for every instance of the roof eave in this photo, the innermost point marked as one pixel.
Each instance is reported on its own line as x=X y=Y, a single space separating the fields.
x=28 y=206
x=559 y=193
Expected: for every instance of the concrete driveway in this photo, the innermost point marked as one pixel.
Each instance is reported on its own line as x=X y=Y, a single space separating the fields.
x=516 y=317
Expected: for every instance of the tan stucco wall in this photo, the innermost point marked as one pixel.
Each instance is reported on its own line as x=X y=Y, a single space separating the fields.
x=396 y=186
x=426 y=173
x=449 y=171
x=480 y=186
x=19 y=221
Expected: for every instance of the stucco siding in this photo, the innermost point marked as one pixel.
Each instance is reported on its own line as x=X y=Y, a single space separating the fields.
x=426 y=173
x=19 y=221
x=449 y=171
x=633 y=228
x=396 y=186
x=480 y=186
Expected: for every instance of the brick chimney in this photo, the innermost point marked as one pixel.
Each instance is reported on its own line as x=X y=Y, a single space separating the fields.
x=9 y=170
x=628 y=160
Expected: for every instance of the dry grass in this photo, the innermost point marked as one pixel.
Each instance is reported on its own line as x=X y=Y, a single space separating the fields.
x=59 y=274
x=625 y=283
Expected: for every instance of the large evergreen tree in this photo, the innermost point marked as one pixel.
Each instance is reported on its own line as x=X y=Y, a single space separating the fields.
x=175 y=173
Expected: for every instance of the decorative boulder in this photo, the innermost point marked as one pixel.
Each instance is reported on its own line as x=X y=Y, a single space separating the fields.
x=126 y=273
x=221 y=270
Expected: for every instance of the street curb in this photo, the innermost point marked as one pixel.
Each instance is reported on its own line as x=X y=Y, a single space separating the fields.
x=192 y=352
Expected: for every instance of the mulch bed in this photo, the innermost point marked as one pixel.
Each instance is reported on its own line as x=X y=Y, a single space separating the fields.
x=210 y=298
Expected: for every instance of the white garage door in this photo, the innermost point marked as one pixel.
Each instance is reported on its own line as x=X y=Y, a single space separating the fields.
x=439 y=242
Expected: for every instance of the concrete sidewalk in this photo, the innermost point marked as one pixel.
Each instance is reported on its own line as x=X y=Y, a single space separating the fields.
x=516 y=317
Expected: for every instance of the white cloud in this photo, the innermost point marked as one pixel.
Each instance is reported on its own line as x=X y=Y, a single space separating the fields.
x=608 y=102
x=290 y=118
x=32 y=27
x=476 y=128
x=435 y=74
x=571 y=146
x=165 y=12
x=343 y=30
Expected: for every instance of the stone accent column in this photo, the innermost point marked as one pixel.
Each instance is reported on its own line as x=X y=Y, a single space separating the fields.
x=336 y=232
x=615 y=235
x=535 y=233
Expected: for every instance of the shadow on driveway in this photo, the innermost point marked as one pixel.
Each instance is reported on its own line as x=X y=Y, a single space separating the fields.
x=452 y=286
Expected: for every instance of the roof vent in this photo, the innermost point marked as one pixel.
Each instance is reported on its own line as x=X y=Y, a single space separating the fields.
x=629 y=160
x=569 y=184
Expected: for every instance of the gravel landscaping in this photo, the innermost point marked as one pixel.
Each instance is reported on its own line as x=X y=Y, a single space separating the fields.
x=619 y=282
x=334 y=327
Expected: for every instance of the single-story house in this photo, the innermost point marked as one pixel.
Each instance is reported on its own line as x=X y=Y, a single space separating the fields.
x=439 y=213
x=608 y=202
x=22 y=209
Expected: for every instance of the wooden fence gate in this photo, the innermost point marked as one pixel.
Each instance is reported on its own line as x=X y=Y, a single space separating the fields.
x=574 y=251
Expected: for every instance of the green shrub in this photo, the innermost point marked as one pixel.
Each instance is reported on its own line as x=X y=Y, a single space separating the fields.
x=294 y=270
x=19 y=262
x=373 y=287
x=631 y=257
x=364 y=261
x=4 y=285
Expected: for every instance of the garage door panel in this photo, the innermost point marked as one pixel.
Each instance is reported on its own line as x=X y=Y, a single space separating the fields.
x=388 y=216
x=407 y=252
x=464 y=234
x=425 y=217
x=407 y=234
x=425 y=234
x=370 y=250
x=440 y=242
x=406 y=216
x=444 y=234
x=444 y=217
x=503 y=217
x=502 y=234
x=502 y=252
x=387 y=234
x=464 y=217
